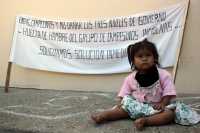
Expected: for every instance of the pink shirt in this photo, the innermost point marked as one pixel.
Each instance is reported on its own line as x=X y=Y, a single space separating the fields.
x=166 y=88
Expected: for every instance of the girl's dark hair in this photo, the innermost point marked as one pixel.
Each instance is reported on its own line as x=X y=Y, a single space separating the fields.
x=133 y=48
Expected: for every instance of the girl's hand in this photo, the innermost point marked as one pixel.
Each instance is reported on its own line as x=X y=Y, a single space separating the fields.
x=159 y=106
x=119 y=105
x=164 y=102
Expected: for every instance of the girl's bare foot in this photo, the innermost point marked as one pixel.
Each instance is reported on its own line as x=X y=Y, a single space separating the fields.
x=140 y=123
x=97 y=118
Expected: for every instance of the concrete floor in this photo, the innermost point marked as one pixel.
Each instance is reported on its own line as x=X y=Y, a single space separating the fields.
x=62 y=111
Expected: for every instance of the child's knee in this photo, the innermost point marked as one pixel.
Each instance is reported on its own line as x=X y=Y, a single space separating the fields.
x=123 y=112
x=169 y=114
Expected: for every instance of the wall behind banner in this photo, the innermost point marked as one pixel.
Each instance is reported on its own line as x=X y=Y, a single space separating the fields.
x=187 y=80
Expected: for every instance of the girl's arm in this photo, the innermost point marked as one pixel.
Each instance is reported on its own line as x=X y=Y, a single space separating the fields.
x=166 y=99
x=168 y=88
x=164 y=102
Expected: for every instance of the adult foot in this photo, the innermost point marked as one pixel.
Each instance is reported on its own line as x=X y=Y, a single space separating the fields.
x=97 y=118
x=140 y=123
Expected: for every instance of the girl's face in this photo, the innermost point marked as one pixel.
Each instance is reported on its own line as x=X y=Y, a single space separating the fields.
x=143 y=60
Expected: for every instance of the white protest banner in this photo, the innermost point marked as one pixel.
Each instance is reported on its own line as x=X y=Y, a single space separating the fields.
x=94 y=46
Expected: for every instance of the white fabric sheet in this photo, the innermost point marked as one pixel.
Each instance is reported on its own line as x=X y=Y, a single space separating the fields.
x=94 y=46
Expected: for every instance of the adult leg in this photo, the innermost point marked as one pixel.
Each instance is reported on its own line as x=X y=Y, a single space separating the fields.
x=155 y=120
x=110 y=115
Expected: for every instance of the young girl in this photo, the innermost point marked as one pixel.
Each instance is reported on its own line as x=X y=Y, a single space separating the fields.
x=146 y=92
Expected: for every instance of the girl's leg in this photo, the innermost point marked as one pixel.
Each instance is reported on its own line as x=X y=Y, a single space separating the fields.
x=155 y=120
x=110 y=115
